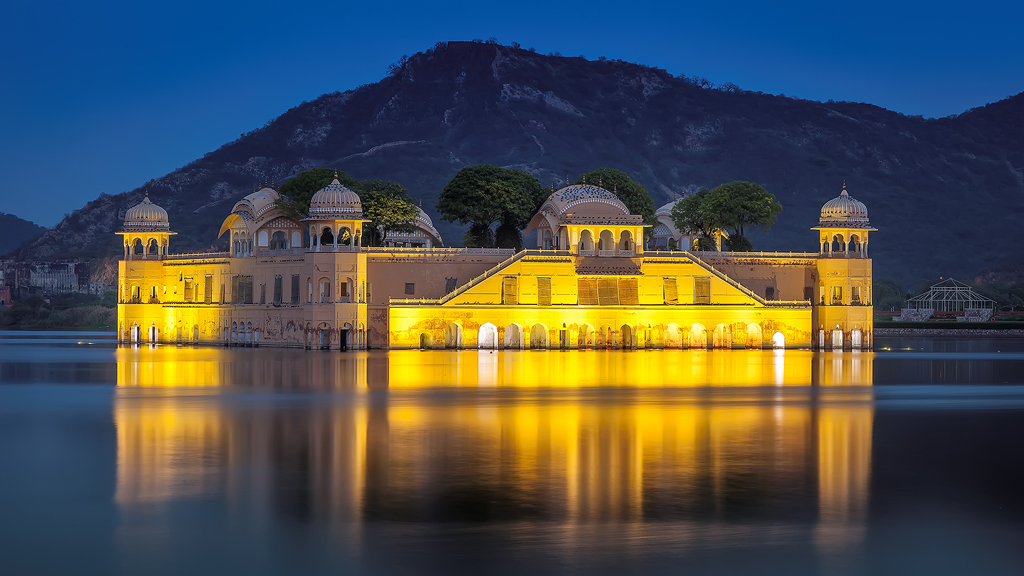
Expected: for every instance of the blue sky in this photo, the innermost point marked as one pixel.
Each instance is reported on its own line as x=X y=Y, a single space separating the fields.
x=103 y=96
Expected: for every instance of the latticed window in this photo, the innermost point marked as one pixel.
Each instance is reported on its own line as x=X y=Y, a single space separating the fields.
x=278 y=290
x=208 y=289
x=295 y=289
x=628 y=292
x=510 y=290
x=588 y=292
x=188 y=290
x=702 y=290
x=671 y=291
x=608 y=291
x=544 y=291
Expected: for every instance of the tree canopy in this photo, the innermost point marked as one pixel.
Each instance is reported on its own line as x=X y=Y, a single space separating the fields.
x=734 y=206
x=632 y=193
x=386 y=204
x=483 y=195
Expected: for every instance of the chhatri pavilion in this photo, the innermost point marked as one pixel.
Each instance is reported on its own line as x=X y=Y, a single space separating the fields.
x=598 y=278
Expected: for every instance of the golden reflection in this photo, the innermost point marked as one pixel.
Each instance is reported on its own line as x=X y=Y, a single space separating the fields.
x=636 y=453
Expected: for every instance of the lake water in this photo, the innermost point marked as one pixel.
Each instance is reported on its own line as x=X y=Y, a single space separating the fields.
x=179 y=460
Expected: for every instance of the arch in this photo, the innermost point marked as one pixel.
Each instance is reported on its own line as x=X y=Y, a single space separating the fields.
x=856 y=338
x=514 y=336
x=587 y=241
x=605 y=337
x=453 y=336
x=325 y=290
x=837 y=338
x=586 y=337
x=154 y=246
x=195 y=333
x=426 y=341
x=838 y=243
x=778 y=340
x=278 y=241
x=673 y=336
x=626 y=340
x=547 y=241
x=626 y=240
x=345 y=236
x=854 y=243
x=248 y=332
x=606 y=240
x=227 y=337
x=326 y=237
x=753 y=336
x=234 y=332
x=722 y=336
x=539 y=337
x=698 y=337
x=487 y=337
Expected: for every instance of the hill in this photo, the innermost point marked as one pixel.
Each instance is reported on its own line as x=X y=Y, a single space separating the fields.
x=16 y=231
x=946 y=194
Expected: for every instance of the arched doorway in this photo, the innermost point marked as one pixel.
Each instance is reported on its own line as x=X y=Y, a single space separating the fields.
x=753 y=336
x=586 y=243
x=426 y=341
x=453 y=336
x=673 y=336
x=837 y=338
x=586 y=337
x=698 y=337
x=539 y=337
x=606 y=242
x=855 y=338
x=514 y=337
x=778 y=340
x=626 y=341
x=487 y=337
x=722 y=336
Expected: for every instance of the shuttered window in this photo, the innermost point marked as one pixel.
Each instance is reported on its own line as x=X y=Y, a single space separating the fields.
x=278 y=290
x=671 y=291
x=510 y=290
x=587 y=292
x=628 y=292
x=188 y=290
x=208 y=288
x=295 y=288
x=544 y=291
x=702 y=290
x=608 y=291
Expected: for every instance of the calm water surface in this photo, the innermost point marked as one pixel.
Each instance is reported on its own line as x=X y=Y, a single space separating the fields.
x=173 y=460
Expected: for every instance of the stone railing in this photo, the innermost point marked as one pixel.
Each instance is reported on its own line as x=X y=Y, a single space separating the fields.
x=716 y=254
x=627 y=253
x=606 y=253
x=197 y=255
x=586 y=253
x=473 y=251
x=280 y=251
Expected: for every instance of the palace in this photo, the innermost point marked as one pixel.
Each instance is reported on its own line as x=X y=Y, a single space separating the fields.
x=590 y=283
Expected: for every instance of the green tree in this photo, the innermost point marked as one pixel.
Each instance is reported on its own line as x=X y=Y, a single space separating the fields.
x=482 y=195
x=632 y=193
x=696 y=214
x=741 y=206
x=388 y=207
x=299 y=189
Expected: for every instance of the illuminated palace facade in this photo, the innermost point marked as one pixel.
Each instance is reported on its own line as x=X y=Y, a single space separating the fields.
x=589 y=283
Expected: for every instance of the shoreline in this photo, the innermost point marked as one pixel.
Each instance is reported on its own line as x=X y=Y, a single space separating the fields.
x=951 y=332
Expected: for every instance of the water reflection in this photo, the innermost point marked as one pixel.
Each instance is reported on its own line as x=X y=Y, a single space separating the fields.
x=719 y=436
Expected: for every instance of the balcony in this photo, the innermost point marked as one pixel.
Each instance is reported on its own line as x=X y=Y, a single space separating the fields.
x=606 y=253
x=586 y=253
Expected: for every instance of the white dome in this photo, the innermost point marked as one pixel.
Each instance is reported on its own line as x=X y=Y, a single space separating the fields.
x=666 y=210
x=146 y=216
x=564 y=199
x=843 y=210
x=335 y=201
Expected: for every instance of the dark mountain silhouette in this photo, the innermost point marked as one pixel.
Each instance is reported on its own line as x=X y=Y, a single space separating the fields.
x=16 y=231
x=946 y=194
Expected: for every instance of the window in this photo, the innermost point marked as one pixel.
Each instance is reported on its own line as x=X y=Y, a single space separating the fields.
x=295 y=289
x=325 y=291
x=208 y=289
x=278 y=290
x=450 y=284
x=263 y=293
x=702 y=290
x=410 y=288
x=628 y=292
x=587 y=292
x=188 y=290
x=855 y=294
x=222 y=290
x=544 y=291
x=808 y=293
x=608 y=291
x=837 y=294
x=343 y=290
x=671 y=291
x=510 y=290
x=769 y=293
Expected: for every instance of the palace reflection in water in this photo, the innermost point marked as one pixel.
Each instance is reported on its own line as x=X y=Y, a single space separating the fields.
x=576 y=437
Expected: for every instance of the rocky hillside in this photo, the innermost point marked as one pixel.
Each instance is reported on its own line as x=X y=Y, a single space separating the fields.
x=946 y=194
x=16 y=231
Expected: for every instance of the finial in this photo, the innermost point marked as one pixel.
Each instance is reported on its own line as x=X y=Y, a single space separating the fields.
x=147 y=191
x=566 y=179
x=584 y=178
x=335 y=174
x=600 y=181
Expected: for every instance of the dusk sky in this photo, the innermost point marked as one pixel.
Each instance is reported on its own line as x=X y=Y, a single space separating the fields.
x=101 y=97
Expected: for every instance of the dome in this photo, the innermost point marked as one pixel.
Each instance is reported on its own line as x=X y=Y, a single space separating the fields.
x=666 y=210
x=335 y=201
x=146 y=216
x=577 y=194
x=259 y=201
x=843 y=210
x=425 y=224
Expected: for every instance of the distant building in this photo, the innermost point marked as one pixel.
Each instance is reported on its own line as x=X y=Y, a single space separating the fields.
x=24 y=279
x=590 y=283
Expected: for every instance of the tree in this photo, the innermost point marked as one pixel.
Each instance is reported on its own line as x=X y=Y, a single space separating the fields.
x=388 y=207
x=696 y=214
x=632 y=193
x=482 y=195
x=742 y=205
x=299 y=189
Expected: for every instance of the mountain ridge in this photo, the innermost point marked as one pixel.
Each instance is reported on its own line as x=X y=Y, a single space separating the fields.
x=951 y=181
